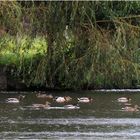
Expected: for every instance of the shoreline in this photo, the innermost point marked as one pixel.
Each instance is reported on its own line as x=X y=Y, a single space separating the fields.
x=97 y=90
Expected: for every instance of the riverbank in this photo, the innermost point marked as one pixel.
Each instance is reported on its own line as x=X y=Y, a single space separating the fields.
x=24 y=92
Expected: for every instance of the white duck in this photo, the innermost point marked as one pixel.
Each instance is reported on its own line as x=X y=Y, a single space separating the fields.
x=63 y=99
x=85 y=99
x=15 y=100
x=124 y=99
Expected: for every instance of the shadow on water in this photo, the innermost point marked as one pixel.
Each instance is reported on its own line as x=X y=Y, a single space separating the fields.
x=101 y=119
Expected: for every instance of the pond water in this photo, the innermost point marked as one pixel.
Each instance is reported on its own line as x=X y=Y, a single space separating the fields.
x=103 y=118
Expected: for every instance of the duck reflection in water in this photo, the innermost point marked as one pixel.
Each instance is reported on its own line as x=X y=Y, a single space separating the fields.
x=70 y=106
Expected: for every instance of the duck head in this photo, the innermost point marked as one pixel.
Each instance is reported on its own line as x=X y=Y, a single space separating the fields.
x=136 y=107
x=128 y=98
x=90 y=99
x=20 y=97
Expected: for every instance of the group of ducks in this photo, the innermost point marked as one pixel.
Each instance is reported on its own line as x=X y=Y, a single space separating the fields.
x=47 y=105
x=127 y=102
x=66 y=99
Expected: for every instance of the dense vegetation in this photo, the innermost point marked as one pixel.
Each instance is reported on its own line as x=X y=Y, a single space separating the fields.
x=71 y=44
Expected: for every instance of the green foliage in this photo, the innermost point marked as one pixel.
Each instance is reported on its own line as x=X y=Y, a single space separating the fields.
x=23 y=53
x=72 y=44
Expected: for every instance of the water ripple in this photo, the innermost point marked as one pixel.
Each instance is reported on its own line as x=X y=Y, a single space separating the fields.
x=77 y=121
x=70 y=135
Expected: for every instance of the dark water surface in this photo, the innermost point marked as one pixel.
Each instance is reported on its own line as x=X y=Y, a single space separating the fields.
x=101 y=119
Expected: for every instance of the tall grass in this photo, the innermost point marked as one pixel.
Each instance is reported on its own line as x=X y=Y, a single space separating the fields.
x=72 y=44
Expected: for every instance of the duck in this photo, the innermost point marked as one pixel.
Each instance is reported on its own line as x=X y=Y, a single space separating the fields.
x=63 y=99
x=44 y=106
x=15 y=100
x=41 y=95
x=70 y=106
x=131 y=109
x=85 y=99
x=124 y=99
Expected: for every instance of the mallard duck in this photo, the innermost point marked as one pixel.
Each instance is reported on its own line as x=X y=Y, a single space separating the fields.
x=123 y=99
x=15 y=100
x=46 y=105
x=85 y=99
x=71 y=107
x=131 y=109
x=63 y=99
x=41 y=95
